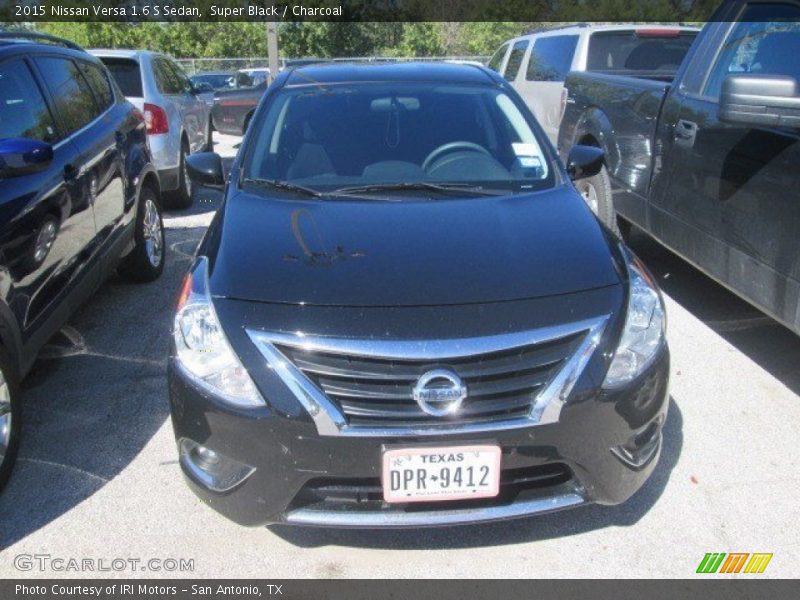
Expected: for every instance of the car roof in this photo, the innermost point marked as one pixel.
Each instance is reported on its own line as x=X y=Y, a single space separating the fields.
x=11 y=46
x=434 y=72
x=120 y=52
x=594 y=28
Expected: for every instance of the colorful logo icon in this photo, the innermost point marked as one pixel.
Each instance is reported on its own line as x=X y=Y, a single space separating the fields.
x=734 y=562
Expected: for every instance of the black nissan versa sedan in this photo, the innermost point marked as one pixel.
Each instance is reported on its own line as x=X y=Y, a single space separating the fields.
x=405 y=315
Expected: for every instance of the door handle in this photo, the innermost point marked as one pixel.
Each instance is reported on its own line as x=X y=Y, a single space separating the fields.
x=686 y=131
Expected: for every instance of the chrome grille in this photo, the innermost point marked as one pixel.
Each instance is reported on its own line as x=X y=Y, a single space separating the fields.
x=377 y=392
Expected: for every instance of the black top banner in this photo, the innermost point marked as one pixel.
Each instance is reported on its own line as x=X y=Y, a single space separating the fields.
x=33 y=11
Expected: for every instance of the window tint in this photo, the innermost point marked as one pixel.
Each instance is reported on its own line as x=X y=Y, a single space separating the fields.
x=551 y=58
x=638 y=51
x=181 y=79
x=98 y=81
x=23 y=112
x=127 y=74
x=166 y=79
x=515 y=60
x=497 y=59
x=73 y=97
x=758 y=45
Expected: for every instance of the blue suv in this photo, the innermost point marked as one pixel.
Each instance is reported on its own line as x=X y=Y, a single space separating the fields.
x=79 y=198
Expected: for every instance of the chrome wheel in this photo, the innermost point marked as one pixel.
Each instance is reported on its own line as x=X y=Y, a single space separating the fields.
x=589 y=194
x=153 y=236
x=44 y=241
x=5 y=417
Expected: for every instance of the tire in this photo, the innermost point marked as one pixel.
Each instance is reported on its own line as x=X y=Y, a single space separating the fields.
x=596 y=191
x=146 y=260
x=209 y=147
x=182 y=197
x=10 y=418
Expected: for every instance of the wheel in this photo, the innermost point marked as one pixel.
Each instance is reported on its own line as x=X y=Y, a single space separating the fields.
x=146 y=260
x=209 y=147
x=45 y=237
x=596 y=191
x=10 y=418
x=182 y=197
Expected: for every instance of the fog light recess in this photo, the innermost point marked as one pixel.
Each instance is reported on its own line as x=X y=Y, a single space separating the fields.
x=211 y=469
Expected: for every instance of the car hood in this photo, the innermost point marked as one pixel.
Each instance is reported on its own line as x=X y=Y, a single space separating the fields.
x=407 y=253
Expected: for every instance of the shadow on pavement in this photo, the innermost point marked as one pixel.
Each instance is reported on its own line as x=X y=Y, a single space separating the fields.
x=95 y=397
x=772 y=346
x=553 y=525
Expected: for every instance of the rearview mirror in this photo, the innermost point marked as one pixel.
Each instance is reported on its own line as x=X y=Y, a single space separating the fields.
x=205 y=168
x=22 y=156
x=752 y=99
x=584 y=161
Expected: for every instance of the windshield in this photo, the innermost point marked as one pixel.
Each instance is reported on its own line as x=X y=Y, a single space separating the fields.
x=337 y=136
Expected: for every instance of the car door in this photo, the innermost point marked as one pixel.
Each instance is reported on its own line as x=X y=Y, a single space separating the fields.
x=193 y=108
x=98 y=139
x=541 y=82
x=46 y=221
x=731 y=205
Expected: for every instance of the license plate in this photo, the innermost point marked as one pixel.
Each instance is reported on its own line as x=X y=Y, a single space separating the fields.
x=447 y=473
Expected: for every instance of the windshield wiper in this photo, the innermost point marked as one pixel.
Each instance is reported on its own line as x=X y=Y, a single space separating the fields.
x=445 y=188
x=285 y=185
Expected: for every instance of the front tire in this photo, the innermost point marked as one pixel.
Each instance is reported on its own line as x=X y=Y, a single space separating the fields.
x=10 y=418
x=146 y=260
x=596 y=191
x=182 y=197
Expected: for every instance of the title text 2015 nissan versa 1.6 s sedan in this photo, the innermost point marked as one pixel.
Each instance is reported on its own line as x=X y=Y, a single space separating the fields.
x=405 y=315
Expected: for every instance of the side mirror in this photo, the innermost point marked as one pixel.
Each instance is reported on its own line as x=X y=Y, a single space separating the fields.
x=767 y=100
x=23 y=156
x=205 y=168
x=584 y=161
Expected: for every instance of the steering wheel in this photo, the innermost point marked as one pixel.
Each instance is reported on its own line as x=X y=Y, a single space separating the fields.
x=451 y=147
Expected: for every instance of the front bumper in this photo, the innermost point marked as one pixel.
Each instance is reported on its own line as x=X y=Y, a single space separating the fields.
x=298 y=477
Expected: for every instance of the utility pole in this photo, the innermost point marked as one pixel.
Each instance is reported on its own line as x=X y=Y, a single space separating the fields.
x=272 y=49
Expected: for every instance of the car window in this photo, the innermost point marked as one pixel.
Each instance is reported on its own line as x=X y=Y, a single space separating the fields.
x=182 y=79
x=381 y=133
x=73 y=97
x=766 y=41
x=551 y=58
x=497 y=59
x=23 y=111
x=127 y=74
x=166 y=79
x=515 y=60
x=638 y=50
x=98 y=81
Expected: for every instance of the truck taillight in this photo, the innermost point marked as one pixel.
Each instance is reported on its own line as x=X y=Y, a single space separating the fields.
x=155 y=119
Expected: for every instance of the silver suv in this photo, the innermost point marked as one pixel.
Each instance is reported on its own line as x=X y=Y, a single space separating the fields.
x=177 y=118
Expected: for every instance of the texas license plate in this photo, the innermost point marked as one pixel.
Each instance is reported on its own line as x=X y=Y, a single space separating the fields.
x=447 y=473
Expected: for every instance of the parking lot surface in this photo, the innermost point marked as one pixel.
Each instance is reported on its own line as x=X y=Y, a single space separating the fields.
x=98 y=478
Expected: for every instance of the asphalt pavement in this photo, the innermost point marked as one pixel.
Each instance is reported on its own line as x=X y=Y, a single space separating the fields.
x=98 y=478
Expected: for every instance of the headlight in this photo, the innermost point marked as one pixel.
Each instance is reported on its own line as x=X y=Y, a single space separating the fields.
x=644 y=329
x=201 y=345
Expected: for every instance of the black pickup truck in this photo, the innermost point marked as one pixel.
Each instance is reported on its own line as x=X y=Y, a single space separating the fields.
x=707 y=163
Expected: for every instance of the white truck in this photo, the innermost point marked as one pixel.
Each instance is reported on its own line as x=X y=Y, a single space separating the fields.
x=537 y=63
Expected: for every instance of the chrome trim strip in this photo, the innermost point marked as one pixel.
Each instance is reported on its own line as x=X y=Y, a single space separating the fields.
x=389 y=518
x=424 y=349
x=330 y=421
